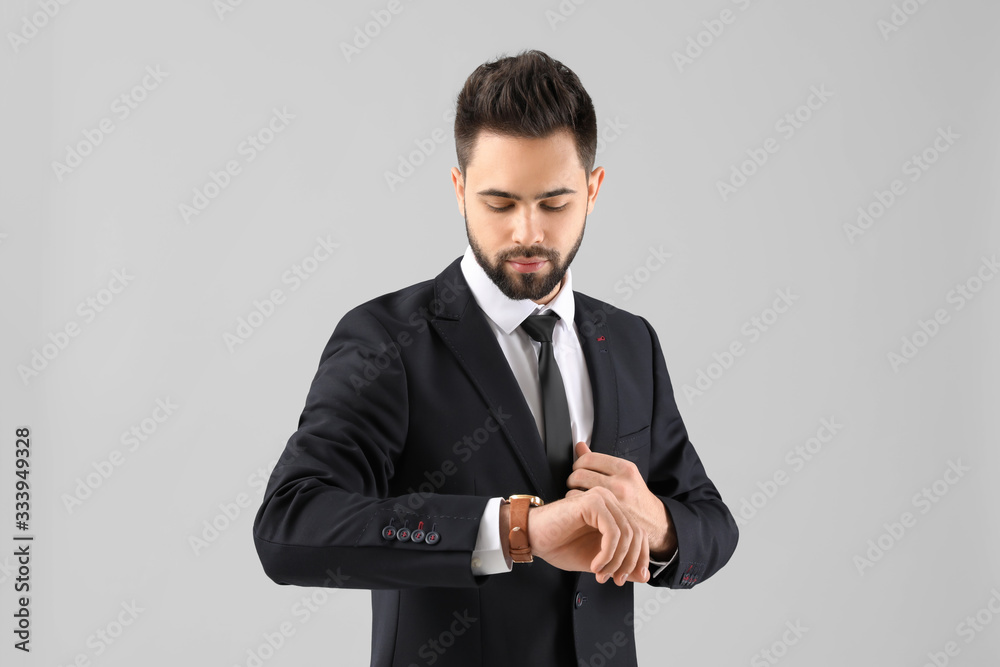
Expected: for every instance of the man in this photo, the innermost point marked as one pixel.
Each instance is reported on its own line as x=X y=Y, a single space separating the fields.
x=438 y=411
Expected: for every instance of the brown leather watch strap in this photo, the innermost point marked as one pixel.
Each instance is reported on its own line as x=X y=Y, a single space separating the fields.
x=520 y=549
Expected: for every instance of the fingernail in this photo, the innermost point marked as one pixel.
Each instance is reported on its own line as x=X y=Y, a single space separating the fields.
x=645 y=573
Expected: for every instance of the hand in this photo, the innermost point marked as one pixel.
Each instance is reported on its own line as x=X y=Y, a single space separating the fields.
x=593 y=470
x=589 y=532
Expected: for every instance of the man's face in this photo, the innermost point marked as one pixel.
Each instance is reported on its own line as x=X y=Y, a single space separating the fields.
x=525 y=203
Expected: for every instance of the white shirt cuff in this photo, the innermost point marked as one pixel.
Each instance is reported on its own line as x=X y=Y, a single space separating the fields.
x=488 y=556
x=663 y=564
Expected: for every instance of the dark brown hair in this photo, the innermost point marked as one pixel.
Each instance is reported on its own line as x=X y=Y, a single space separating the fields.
x=527 y=95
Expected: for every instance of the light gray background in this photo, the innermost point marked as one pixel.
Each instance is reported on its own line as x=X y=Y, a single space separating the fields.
x=680 y=131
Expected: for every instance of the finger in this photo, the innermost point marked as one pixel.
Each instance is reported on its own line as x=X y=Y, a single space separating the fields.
x=583 y=479
x=604 y=464
x=614 y=568
x=624 y=542
x=601 y=517
x=643 y=562
x=630 y=566
x=573 y=492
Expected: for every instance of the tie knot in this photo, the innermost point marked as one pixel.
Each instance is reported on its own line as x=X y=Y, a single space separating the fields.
x=540 y=327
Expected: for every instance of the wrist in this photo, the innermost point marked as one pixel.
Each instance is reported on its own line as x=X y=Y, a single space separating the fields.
x=663 y=539
x=665 y=548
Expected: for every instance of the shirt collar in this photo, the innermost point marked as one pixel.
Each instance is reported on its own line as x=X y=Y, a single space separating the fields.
x=509 y=313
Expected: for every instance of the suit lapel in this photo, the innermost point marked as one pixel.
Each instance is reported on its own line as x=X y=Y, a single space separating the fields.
x=463 y=327
x=591 y=325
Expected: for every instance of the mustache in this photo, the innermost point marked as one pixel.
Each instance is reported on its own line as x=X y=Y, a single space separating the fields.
x=537 y=251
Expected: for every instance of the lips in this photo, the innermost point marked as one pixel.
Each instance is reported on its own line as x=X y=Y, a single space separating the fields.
x=528 y=264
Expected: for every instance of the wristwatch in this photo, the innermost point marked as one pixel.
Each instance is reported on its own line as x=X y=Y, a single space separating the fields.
x=520 y=550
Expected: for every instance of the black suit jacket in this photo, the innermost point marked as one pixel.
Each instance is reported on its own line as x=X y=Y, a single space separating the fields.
x=415 y=416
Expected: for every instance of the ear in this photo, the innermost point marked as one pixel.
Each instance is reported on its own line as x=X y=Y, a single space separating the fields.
x=459 y=181
x=593 y=187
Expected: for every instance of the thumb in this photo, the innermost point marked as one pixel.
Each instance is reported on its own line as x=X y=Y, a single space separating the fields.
x=581 y=449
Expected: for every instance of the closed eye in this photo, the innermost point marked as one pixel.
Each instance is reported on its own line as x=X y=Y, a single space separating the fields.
x=508 y=206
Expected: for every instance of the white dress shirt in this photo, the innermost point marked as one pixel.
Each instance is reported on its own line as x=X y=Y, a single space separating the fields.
x=505 y=316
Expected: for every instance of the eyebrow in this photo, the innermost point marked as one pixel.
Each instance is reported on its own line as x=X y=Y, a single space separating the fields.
x=494 y=192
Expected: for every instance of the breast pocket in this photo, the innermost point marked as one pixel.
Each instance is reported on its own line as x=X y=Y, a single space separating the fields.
x=635 y=448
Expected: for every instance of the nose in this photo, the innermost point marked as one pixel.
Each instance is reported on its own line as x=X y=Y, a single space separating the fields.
x=527 y=228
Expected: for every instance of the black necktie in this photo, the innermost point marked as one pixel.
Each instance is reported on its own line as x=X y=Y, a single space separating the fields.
x=555 y=408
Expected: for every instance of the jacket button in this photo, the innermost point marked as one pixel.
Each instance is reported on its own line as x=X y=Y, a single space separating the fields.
x=580 y=599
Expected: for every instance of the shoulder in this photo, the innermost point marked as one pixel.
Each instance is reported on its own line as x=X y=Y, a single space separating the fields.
x=401 y=301
x=593 y=313
x=412 y=306
x=391 y=311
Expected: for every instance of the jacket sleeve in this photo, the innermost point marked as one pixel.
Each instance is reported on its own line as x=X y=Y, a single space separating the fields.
x=327 y=501
x=706 y=530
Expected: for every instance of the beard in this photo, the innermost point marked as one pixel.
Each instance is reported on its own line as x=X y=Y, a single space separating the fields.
x=516 y=285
